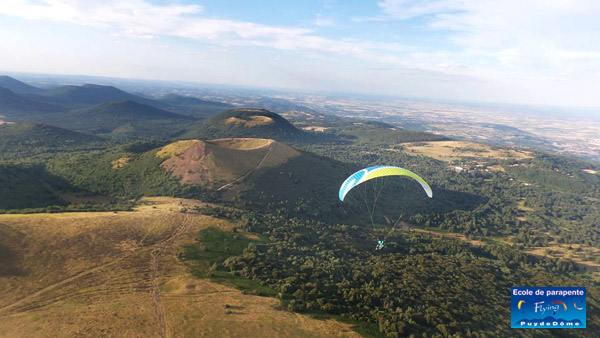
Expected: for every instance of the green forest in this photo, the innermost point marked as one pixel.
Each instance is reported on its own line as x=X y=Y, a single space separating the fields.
x=317 y=254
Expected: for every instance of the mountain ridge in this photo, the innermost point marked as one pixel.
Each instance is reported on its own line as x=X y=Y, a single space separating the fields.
x=247 y=122
x=17 y=86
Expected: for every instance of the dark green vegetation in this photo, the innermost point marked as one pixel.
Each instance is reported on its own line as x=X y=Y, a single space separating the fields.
x=533 y=201
x=191 y=106
x=14 y=107
x=307 y=187
x=140 y=175
x=19 y=140
x=17 y=86
x=370 y=133
x=88 y=95
x=214 y=247
x=247 y=123
x=28 y=186
x=317 y=253
x=122 y=119
x=102 y=110
x=418 y=285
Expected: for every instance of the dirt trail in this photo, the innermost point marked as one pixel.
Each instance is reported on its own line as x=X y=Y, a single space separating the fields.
x=449 y=235
x=11 y=308
x=26 y=299
x=155 y=255
x=271 y=148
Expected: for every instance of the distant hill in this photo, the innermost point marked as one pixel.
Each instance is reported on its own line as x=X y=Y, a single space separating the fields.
x=124 y=119
x=128 y=110
x=15 y=107
x=36 y=138
x=218 y=162
x=17 y=86
x=252 y=171
x=28 y=186
x=258 y=173
x=277 y=105
x=89 y=94
x=380 y=133
x=247 y=122
x=192 y=106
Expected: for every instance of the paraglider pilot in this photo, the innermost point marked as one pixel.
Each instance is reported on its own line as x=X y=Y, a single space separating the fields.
x=380 y=245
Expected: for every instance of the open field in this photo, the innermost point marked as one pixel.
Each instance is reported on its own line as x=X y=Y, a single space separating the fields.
x=585 y=256
x=448 y=235
x=120 y=163
x=318 y=129
x=254 y=121
x=449 y=151
x=521 y=206
x=117 y=274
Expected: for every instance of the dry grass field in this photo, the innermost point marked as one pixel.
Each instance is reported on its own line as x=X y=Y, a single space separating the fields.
x=449 y=235
x=117 y=275
x=120 y=163
x=449 y=151
x=585 y=256
x=318 y=129
x=254 y=121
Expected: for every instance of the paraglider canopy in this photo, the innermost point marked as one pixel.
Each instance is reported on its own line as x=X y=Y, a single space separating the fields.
x=370 y=173
x=379 y=171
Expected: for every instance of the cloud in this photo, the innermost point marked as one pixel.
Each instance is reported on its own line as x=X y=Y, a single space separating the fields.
x=135 y=17
x=144 y=20
x=405 y=9
x=324 y=21
x=535 y=39
x=518 y=43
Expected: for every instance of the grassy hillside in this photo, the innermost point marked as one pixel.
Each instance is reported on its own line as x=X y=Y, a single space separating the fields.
x=247 y=122
x=120 y=274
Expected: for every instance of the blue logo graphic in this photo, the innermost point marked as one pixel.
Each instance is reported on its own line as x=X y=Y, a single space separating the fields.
x=547 y=307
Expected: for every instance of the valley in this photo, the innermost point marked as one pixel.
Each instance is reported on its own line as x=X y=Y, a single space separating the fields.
x=169 y=215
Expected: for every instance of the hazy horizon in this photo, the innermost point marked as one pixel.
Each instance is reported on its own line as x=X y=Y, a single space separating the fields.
x=80 y=79
x=526 y=52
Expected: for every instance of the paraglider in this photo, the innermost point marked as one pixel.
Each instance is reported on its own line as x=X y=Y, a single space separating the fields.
x=559 y=302
x=378 y=172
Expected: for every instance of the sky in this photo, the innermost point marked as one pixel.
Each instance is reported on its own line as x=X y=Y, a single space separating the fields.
x=505 y=51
